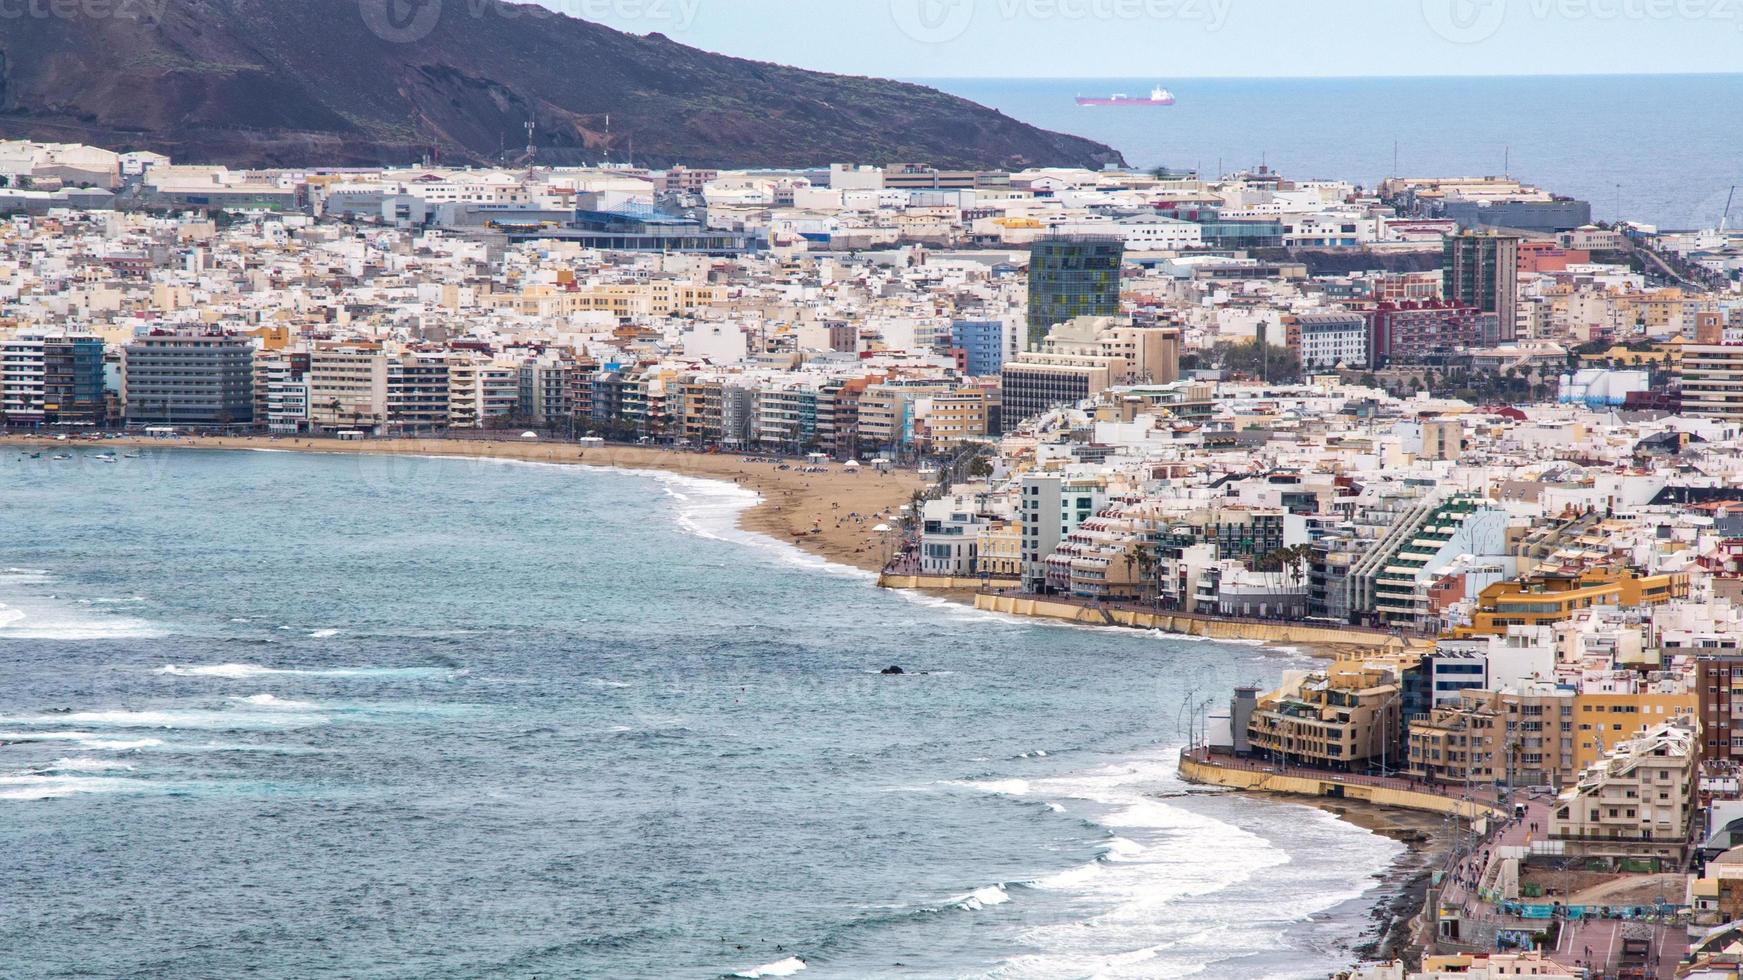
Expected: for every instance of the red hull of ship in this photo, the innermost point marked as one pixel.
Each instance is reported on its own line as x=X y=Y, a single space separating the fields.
x=1124 y=102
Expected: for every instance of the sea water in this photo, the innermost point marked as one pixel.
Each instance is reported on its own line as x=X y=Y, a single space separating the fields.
x=297 y=715
x=1655 y=148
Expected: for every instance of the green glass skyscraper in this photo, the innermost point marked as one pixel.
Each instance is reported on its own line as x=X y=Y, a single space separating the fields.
x=1482 y=270
x=1072 y=276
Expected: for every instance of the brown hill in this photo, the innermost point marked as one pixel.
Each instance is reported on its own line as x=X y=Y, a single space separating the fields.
x=335 y=82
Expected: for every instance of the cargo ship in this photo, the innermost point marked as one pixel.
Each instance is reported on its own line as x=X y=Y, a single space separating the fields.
x=1158 y=96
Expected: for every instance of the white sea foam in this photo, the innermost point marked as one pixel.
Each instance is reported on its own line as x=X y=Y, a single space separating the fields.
x=28 y=614
x=38 y=617
x=86 y=764
x=231 y=671
x=175 y=718
x=779 y=968
x=982 y=898
x=84 y=740
x=710 y=508
x=1181 y=881
x=324 y=634
x=999 y=787
x=1070 y=879
x=250 y=671
x=35 y=786
x=119 y=744
x=44 y=736
x=1119 y=847
x=273 y=701
x=47 y=619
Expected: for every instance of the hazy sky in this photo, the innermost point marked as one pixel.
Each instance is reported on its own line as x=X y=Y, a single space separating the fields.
x=1169 y=39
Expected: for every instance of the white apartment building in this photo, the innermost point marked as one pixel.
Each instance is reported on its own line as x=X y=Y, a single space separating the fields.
x=1331 y=339
x=1637 y=799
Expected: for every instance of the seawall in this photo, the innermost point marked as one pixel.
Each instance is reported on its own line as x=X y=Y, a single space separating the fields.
x=1195 y=770
x=1210 y=627
x=943 y=582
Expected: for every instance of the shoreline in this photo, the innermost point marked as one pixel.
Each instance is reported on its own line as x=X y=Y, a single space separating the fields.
x=788 y=504
x=828 y=515
x=1414 y=816
x=1402 y=892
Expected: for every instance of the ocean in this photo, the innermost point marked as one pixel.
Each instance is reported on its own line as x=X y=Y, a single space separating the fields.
x=287 y=715
x=1653 y=148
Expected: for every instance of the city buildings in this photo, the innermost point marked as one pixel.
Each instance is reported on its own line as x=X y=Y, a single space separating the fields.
x=52 y=379
x=204 y=379
x=1340 y=719
x=1712 y=380
x=1635 y=802
x=1072 y=276
x=986 y=344
x=1481 y=270
x=1328 y=340
x=1083 y=357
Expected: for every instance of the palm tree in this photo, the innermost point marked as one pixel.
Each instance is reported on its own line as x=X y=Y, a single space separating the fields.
x=1147 y=571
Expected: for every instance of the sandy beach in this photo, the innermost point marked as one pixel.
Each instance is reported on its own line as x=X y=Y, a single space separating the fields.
x=828 y=514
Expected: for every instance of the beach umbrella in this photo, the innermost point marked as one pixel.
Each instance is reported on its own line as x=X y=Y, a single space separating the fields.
x=880 y=529
x=529 y=435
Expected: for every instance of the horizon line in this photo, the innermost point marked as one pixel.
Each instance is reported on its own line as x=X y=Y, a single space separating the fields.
x=1319 y=78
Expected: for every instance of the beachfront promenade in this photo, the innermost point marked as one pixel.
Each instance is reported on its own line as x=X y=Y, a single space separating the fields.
x=1144 y=615
x=1465 y=909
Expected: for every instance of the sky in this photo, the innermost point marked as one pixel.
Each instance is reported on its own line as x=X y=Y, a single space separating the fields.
x=1173 y=39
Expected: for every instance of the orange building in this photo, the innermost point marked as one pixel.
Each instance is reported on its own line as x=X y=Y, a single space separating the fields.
x=1543 y=599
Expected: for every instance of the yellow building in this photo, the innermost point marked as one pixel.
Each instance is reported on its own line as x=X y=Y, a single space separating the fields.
x=1604 y=721
x=952 y=418
x=1344 y=718
x=1522 y=735
x=999 y=550
x=1541 y=600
